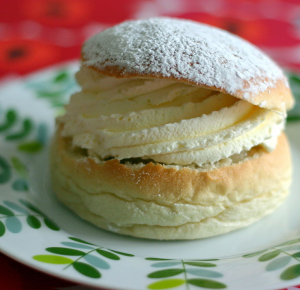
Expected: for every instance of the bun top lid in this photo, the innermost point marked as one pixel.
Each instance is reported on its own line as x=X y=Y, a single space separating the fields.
x=190 y=52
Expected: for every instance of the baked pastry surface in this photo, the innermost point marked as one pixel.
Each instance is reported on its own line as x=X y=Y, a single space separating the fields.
x=190 y=52
x=176 y=134
x=161 y=202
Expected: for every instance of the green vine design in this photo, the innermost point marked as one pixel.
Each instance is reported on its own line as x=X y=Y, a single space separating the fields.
x=10 y=213
x=280 y=258
x=28 y=137
x=56 y=89
x=187 y=269
x=19 y=184
x=5 y=170
x=75 y=248
x=294 y=81
x=16 y=129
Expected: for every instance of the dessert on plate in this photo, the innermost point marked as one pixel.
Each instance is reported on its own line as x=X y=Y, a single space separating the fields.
x=177 y=132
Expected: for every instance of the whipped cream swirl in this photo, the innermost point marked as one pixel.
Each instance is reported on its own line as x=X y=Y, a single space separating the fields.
x=165 y=121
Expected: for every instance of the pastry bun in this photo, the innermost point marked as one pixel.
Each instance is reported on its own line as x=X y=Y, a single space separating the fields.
x=189 y=52
x=162 y=202
x=176 y=134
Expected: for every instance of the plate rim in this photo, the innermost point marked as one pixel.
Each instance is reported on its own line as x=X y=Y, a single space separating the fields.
x=61 y=274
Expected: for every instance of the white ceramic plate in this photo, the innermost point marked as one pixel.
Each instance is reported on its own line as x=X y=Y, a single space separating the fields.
x=38 y=231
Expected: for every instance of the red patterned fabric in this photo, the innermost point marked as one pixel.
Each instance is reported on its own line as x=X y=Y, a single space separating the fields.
x=38 y=33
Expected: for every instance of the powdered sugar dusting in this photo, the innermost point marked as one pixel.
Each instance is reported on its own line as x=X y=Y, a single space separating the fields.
x=185 y=50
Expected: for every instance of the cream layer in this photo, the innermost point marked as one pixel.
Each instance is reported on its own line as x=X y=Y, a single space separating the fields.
x=162 y=120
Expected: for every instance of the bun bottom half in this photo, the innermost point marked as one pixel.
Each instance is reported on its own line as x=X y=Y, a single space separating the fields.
x=170 y=202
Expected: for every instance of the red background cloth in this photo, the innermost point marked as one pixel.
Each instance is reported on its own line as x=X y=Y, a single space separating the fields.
x=38 y=33
x=35 y=33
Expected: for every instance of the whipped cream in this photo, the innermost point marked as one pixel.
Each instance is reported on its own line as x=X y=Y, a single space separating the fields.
x=163 y=120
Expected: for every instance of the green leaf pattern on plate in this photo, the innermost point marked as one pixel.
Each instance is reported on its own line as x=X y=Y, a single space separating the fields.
x=86 y=269
x=108 y=255
x=89 y=259
x=16 y=207
x=122 y=254
x=205 y=283
x=33 y=222
x=5 y=171
x=2 y=229
x=9 y=121
x=30 y=147
x=165 y=273
x=166 y=284
x=204 y=273
x=96 y=261
x=269 y=256
x=13 y=224
x=76 y=245
x=20 y=184
x=65 y=251
x=56 y=89
x=28 y=210
x=278 y=263
x=165 y=264
x=27 y=137
x=280 y=258
x=53 y=259
x=12 y=214
x=51 y=225
x=89 y=269
x=186 y=273
x=22 y=132
x=5 y=211
x=294 y=80
x=291 y=272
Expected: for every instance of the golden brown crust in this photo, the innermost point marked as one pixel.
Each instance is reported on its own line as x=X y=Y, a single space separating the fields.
x=168 y=185
x=178 y=202
x=189 y=52
x=267 y=175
